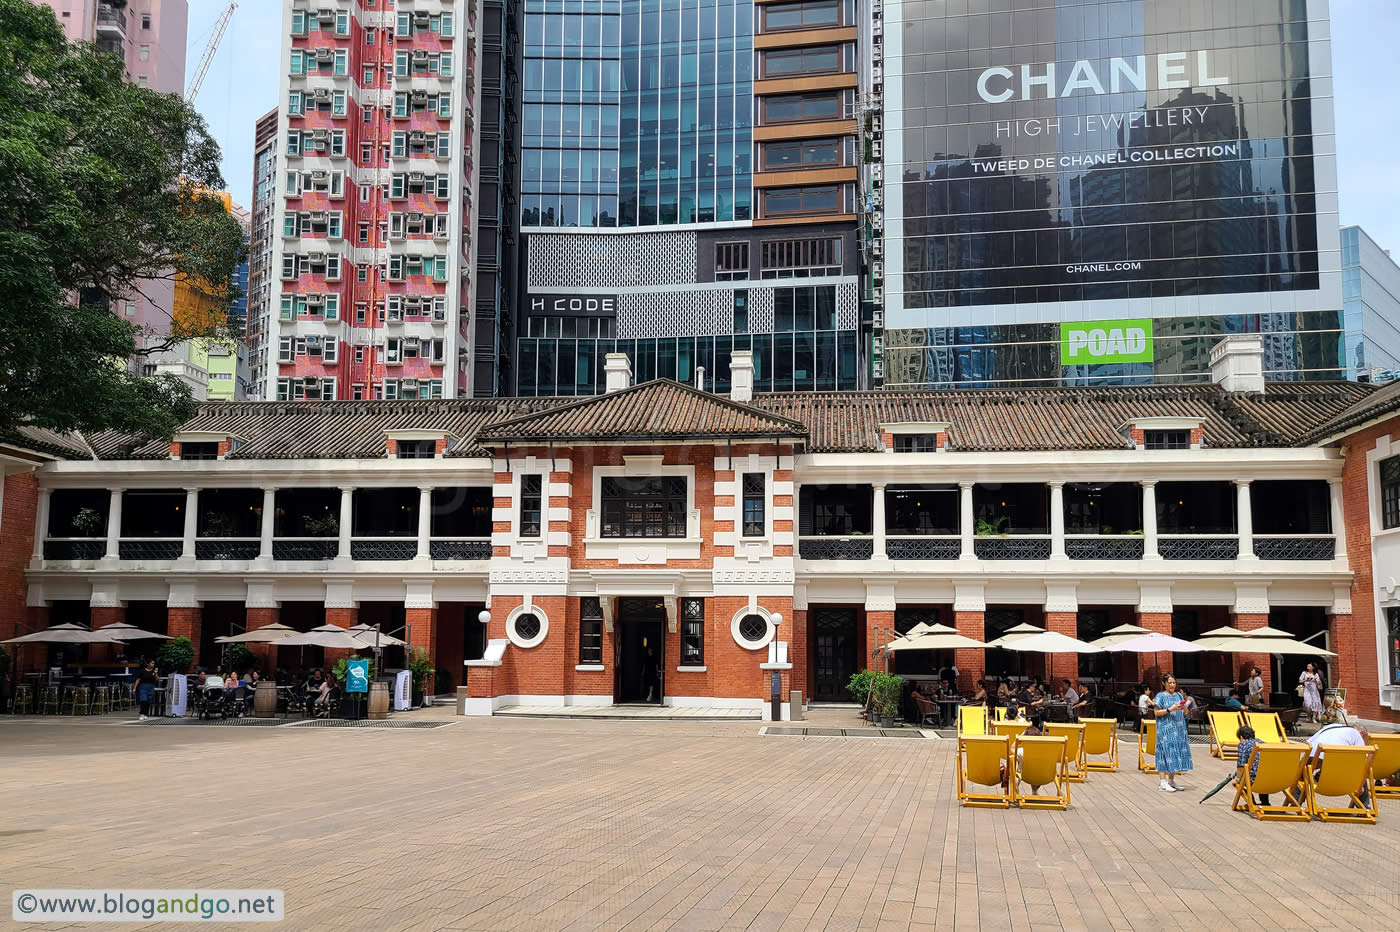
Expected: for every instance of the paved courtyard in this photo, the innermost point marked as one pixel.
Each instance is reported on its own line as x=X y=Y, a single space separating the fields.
x=544 y=824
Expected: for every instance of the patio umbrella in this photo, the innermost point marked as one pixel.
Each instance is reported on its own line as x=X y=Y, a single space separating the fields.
x=1118 y=635
x=267 y=634
x=369 y=633
x=63 y=634
x=1268 y=641
x=121 y=631
x=1015 y=634
x=934 y=637
x=331 y=636
x=1051 y=642
x=1155 y=642
x=1210 y=638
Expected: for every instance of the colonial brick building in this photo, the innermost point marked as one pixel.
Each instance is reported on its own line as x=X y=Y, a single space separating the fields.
x=661 y=543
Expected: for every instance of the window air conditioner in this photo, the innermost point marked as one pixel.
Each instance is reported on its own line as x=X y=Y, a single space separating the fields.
x=315 y=300
x=316 y=258
x=321 y=134
x=877 y=269
x=325 y=15
x=409 y=385
x=877 y=247
x=323 y=93
x=412 y=301
x=416 y=177
x=325 y=54
x=420 y=55
x=320 y=175
x=420 y=97
x=420 y=17
x=417 y=137
x=415 y=217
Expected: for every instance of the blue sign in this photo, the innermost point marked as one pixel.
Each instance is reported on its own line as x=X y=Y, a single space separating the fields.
x=357 y=676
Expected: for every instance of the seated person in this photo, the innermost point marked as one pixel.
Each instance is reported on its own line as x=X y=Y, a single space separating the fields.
x=1233 y=703
x=1030 y=697
x=981 y=695
x=231 y=685
x=1003 y=691
x=1336 y=735
x=1247 y=743
x=1085 y=704
x=1070 y=695
x=1144 y=701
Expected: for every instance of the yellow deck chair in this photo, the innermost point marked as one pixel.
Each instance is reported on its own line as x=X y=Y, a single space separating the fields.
x=1012 y=729
x=1224 y=732
x=1280 y=773
x=980 y=760
x=999 y=713
x=1345 y=771
x=1100 y=737
x=1074 y=748
x=1041 y=763
x=1386 y=764
x=1268 y=728
x=1147 y=745
x=972 y=720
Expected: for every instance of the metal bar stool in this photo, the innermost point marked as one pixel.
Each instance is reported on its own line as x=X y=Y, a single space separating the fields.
x=24 y=699
x=75 y=700
x=51 y=703
x=101 y=700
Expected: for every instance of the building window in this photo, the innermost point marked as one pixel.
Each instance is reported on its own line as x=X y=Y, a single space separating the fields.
x=799 y=258
x=650 y=506
x=590 y=639
x=1390 y=492
x=812 y=14
x=199 y=451
x=752 y=630
x=803 y=108
x=531 y=489
x=731 y=261
x=145 y=20
x=814 y=59
x=1166 y=439
x=821 y=199
x=692 y=632
x=416 y=449
x=915 y=443
x=741 y=312
x=527 y=627
x=801 y=153
x=755 y=502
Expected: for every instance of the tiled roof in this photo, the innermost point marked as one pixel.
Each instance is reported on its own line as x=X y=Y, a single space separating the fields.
x=1287 y=414
x=656 y=410
x=1065 y=418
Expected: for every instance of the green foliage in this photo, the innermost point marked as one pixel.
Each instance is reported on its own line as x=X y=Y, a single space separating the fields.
x=859 y=685
x=888 y=691
x=421 y=666
x=993 y=528
x=176 y=654
x=104 y=198
x=217 y=524
x=89 y=522
x=339 y=671
x=327 y=525
x=240 y=658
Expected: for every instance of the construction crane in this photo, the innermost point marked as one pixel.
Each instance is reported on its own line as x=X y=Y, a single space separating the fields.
x=207 y=58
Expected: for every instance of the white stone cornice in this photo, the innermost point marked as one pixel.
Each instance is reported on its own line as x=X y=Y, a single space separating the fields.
x=182 y=594
x=1155 y=598
x=1251 y=600
x=1061 y=597
x=970 y=597
x=879 y=596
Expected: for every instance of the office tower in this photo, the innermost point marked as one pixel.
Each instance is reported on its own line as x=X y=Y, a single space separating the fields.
x=260 y=326
x=689 y=176
x=1370 y=306
x=374 y=220
x=1097 y=191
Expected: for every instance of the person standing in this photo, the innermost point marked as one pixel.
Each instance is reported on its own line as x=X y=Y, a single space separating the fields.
x=145 y=689
x=1311 y=683
x=1173 y=748
x=1254 y=687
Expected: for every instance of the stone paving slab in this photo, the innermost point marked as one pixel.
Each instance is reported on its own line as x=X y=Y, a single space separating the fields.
x=511 y=824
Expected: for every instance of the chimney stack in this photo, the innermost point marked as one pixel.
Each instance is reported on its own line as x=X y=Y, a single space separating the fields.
x=741 y=375
x=618 y=373
x=1237 y=363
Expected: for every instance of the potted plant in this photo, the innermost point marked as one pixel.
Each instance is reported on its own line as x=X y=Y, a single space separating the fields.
x=887 y=691
x=239 y=657
x=352 y=705
x=88 y=522
x=420 y=668
x=327 y=525
x=994 y=528
x=859 y=686
x=175 y=656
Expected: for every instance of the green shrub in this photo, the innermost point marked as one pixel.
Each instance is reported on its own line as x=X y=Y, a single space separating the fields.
x=859 y=685
x=175 y=655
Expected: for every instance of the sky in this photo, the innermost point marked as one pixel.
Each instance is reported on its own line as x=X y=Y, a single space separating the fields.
x=243 y=80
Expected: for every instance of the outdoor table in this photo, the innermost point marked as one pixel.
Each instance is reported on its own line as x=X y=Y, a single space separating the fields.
x=947 y=711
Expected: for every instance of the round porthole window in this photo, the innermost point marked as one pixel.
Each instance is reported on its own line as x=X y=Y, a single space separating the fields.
x=526 y=628
x=753 y=630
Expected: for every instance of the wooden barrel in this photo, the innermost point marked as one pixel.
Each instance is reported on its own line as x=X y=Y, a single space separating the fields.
x=379 y=700
x=265 y=700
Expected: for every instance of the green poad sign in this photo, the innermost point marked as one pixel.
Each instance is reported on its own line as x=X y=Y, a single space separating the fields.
x=1092 y=342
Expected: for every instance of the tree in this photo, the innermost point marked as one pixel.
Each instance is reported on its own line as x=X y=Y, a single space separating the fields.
x=103 y=186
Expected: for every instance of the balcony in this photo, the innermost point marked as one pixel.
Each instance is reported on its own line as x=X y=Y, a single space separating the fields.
x=227 y=548
x=835 y=548
x=305 y=548
x=150 y=548
x=384 y=548
x=1198 y=547
x=447 y=548
x=1301 y=547
x=923 y=547
x=1105 y=547
x=111 y=24
x=74 y=548
x=1019 y=547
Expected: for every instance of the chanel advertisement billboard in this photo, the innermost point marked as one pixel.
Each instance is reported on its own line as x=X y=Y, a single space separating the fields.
x=1104 y=150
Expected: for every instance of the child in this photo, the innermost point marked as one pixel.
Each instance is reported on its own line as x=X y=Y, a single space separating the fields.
x=1247 y=743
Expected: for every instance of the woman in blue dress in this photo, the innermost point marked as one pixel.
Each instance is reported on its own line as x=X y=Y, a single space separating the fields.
x=1173 y=750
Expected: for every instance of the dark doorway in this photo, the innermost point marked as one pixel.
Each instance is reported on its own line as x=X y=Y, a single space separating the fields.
x=835 y=652
x=640 y=645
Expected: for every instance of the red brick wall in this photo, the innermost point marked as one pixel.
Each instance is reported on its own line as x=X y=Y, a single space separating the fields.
x=100 y=616
x=734 y=671
x=1243 y=662
x=422 y=633
x=185 y=622
x=16 y=546
x=1150 y=667
x=1063 y=666
x=1354 y=636
x=873 y=638
x=971 y=663
x=539 y=670
x=798 y=652
x=256 y=618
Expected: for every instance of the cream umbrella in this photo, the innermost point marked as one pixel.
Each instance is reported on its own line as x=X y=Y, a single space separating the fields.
x=64 y=634
x=332 y=636
x=934 y=637
x=369 y=633
x=1118 y=635
x=267 y=634
x=121 y=631
x=1051 y=642
x=1155 y=642
x=1268 y=641
x=1209 y=638
x=1011 y=635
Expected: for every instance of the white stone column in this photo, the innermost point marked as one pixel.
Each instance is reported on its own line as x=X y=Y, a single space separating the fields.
x=1244 y=517
x=269 y=521
x=878 y=519
x=425 y=518
x=347 y=514
x=1149 y=520
x=1057 y=521
x=191 y=523
x=41 y=522
x=965 y=520
x=114 y=525
x=1339 y=521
